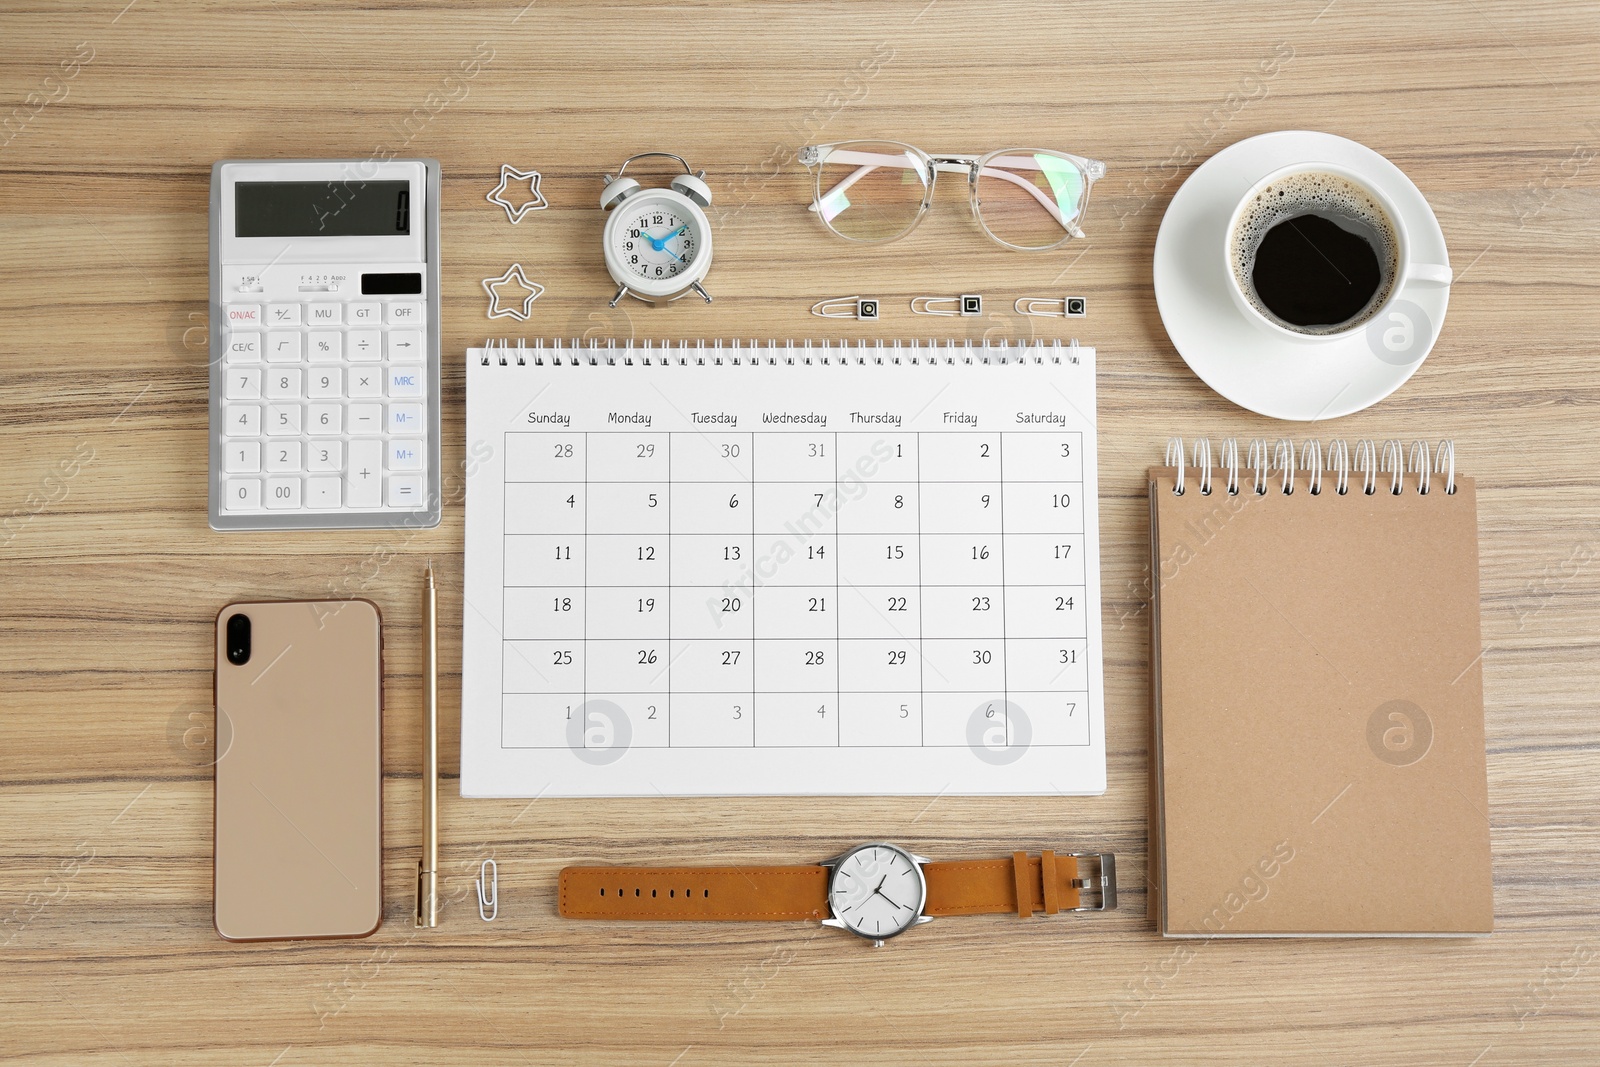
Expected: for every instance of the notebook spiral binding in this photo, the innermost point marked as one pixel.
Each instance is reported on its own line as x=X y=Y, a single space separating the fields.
x=754 y=353
x=1337 y=461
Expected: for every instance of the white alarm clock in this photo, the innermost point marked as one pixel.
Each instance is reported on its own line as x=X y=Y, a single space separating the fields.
x=657 y=241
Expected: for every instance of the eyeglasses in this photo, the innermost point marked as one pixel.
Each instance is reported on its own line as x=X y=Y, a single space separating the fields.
x=1029 y=199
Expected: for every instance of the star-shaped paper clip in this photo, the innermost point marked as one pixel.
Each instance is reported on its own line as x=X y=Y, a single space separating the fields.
x=491 y=286
x=514 y=212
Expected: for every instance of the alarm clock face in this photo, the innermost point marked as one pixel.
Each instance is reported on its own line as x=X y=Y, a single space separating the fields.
x=657 y=241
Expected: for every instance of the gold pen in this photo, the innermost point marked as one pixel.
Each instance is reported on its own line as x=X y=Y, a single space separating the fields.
x=428 y=866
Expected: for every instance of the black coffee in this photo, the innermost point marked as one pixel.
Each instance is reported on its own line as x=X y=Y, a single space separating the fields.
x=1315 y=253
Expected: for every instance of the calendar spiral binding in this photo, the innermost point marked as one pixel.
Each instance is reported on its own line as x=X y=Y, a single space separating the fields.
x=774 y=353
x=1337 y=461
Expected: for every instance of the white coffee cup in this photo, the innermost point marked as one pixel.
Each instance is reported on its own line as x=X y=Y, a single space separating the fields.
x=1406 y=270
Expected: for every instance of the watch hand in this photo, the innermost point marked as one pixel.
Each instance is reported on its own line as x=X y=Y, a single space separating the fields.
x=662 y=247
x=878 y=891
x=657 y=245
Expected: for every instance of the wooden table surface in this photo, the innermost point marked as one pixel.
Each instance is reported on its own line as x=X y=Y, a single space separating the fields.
x=110 y=577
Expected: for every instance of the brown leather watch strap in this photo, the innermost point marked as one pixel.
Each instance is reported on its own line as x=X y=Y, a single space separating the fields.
x=1047 y=882
x=694 y=893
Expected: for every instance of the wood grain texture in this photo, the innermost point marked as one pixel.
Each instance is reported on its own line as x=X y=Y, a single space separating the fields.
x=110 y=578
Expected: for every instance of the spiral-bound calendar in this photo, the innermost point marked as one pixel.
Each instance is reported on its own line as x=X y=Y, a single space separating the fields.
x=744 y=569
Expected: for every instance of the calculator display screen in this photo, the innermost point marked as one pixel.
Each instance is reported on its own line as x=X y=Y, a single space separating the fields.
x=322 y=209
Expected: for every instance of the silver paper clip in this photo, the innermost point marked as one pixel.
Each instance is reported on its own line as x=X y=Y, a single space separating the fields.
x=515 y=212
x=860 y=308
x=1072 y=307
x=488 y=883
x=513 y=274
x=966 y=304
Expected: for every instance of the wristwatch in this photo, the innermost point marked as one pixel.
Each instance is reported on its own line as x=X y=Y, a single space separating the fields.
x=875 y=891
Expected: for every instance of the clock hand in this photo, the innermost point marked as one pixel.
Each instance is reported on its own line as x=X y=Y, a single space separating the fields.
x=878 y=890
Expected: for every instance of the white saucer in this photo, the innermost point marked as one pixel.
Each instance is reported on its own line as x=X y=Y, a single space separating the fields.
x=1243 y=362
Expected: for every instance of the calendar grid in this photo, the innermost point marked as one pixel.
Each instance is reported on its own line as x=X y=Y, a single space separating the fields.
x=754 y=644
x=630 y=551
x=1005 y=668
x=585 y=646
x=667 y=660
x=838 y=687
x=922 y=655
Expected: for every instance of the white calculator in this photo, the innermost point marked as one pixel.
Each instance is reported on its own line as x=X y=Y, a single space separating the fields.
x=324 y=344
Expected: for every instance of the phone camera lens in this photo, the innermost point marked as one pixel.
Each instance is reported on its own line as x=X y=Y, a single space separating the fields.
x=238 y=640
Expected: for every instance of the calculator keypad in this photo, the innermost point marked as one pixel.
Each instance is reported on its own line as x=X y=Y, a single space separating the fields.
x=324 y=406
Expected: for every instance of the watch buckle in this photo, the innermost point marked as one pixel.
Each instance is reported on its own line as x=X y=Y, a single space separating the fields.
x=1102 y=884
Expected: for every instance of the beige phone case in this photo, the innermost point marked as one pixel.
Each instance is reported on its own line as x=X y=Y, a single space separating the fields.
x=298 y=817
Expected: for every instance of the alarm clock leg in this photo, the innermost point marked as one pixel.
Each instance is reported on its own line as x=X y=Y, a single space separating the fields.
x=697 y=288
x=621 y=292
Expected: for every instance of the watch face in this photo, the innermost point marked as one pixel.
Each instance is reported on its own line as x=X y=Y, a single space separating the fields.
x=656 y=240
x=877 y=890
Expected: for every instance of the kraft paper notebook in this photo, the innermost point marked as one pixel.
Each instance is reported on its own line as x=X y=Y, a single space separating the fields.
x=1318 y=761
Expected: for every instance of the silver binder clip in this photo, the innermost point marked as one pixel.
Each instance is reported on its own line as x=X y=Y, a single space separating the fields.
x=515 y=212
x=860 y=308
x=967 y=304
x=1072 y=307
x=488 y=883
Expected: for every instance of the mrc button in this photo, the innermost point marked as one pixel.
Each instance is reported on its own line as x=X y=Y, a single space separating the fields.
x=405 y=381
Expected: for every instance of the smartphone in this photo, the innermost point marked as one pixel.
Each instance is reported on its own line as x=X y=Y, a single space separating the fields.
x=298 y=821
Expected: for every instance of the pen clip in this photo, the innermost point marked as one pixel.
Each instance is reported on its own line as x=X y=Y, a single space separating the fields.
x=427 y=914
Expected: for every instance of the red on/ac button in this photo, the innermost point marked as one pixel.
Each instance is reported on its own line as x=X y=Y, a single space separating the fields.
x=244 y=315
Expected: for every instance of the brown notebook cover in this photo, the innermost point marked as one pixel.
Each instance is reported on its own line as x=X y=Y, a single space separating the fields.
x=1318 y=760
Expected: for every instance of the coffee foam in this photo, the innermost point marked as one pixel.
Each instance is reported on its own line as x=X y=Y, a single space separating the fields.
x=1313 y=193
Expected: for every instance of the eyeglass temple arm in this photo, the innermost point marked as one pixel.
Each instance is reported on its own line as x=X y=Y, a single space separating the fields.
x=957 y=168
x=849 y=180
